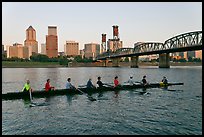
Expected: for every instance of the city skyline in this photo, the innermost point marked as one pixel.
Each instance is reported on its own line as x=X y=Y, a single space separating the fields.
x=84 y=22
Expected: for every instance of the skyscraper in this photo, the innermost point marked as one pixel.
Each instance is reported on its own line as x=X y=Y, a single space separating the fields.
x=91 y=50
x=31 y=41
x=43 y=48
x=52 y=42
x=71 y=48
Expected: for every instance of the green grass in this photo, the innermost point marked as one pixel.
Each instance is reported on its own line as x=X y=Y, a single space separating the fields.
x=29 y=64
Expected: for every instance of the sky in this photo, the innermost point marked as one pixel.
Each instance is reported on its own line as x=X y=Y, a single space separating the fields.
x=84 y=22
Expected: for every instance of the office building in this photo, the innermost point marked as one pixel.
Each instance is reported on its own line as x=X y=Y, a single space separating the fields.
x=113 y=45
x=43 y=48
x=2 y=49
x=81 y=52
x=91 y=50
x=52 y=42
x=18 y=50
x=30 y=41
x=71 y=48
x=191 y=54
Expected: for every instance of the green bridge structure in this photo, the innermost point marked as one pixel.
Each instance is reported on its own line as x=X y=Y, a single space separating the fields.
x=190 y=41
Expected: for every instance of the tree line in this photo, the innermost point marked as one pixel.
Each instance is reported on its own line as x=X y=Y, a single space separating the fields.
x=63 y=60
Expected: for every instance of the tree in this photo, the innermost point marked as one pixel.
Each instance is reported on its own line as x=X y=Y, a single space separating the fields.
x=190 y=59
x=39 y=57
x=63 y=61
x=78 y=58
x=126 y=59
x=196 y=60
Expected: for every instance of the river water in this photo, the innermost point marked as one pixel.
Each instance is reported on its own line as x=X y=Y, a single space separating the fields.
x=160 y=112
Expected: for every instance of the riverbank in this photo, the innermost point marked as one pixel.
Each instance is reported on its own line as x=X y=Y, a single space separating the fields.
x=12 y=64
x=7 y=64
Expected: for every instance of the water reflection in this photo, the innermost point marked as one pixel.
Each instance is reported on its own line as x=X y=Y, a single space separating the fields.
x=69 y=99
x=26 y=101
x=116 y=93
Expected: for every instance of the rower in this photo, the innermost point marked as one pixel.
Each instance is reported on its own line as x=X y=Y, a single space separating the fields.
x=130 y=81
x=116 y=82
x=69 y=85
x=144 y=81
x=164 y=80
x=27 y=87
x=48 y=87
x=100 y=84
x=89 y=84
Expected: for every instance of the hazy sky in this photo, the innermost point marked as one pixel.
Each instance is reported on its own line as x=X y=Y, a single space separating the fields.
x=84 y=22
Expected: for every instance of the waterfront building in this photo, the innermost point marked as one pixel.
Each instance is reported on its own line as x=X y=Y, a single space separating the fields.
x=71 y=48
x=52 y=42
x=7 y=49
x=81 y=52
x=113 y=45
x=191 y=54
x=18 y=50
x=91 y=50
x=52 y=30
x=2 y=49
x=43 y=48
x=30 y=41
x=198 y=54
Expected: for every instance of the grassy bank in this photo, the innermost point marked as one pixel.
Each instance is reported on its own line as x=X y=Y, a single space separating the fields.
x=11 y=64
x=8 y=64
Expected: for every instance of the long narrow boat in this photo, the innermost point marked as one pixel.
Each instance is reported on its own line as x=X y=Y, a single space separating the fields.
x=42 y=93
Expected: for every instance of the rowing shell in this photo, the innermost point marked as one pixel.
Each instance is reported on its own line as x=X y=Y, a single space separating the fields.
x=57 y=92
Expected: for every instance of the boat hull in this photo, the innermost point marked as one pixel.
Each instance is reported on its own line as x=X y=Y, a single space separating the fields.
x=42 y=93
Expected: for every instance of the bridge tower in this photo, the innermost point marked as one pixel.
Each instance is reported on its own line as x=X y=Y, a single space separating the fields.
x=103 y=44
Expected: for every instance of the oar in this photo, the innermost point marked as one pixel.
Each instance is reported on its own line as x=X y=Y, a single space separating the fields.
x=174 y=90
x=108 y=84
x=90 y=97
x=31 y=100
x=134 y=82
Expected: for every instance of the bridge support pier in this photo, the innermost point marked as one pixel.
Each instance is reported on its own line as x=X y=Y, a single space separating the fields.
x=134 y=62
x=105 y=63
x=115 y=62
x=164 y=61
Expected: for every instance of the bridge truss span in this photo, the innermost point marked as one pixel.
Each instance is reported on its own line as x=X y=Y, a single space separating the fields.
x=148 y=47
x=184 y=42
x=190 y=39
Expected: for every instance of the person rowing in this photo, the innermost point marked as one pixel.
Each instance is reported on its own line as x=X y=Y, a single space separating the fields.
x=27 y=87
x=69 y=85
x=164 y=80
x=144 y=81
x=130 y=81
x=89 y=84
x=100 y=84
x=48 y=87
x=116 y=82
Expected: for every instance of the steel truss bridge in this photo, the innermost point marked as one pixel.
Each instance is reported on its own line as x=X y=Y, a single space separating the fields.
x=184 y=42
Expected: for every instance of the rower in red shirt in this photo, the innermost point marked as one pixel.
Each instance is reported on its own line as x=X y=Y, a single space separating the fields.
x=48 y=87
x=116 y=82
